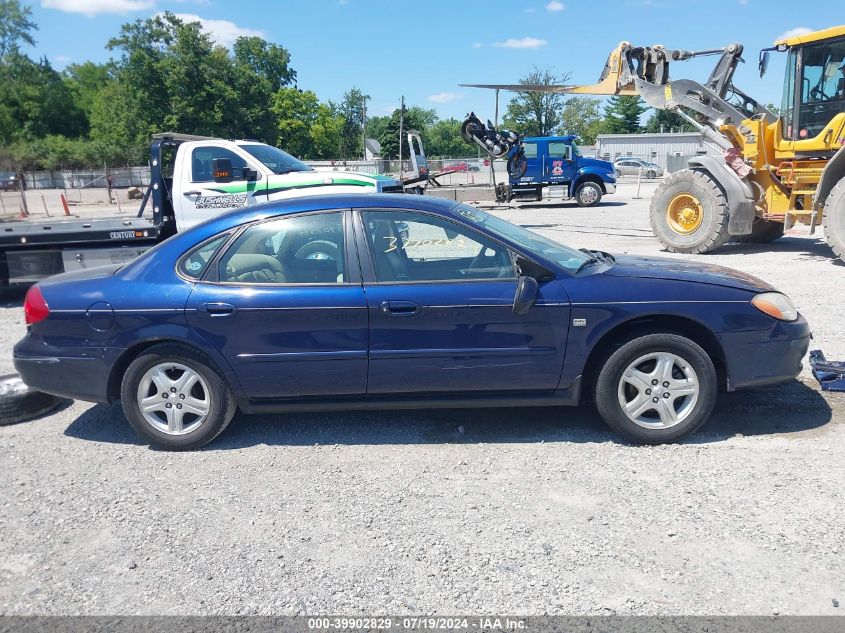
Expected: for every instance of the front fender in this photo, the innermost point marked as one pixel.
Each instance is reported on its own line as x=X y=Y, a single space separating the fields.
x=589 y=173
x=741 y=199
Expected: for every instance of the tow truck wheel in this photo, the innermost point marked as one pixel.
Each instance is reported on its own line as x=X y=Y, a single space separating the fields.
x=834 y=219
x=588 y=194
x=689 y=213
x=762 y=232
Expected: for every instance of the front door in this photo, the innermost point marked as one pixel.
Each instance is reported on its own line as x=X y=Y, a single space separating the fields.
x=533 y=152
x=440 y=300
x=560 y=165
x=199 y=197
x=286 y=309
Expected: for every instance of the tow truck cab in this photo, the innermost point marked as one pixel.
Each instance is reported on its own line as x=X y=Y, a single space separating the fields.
x=556 y=161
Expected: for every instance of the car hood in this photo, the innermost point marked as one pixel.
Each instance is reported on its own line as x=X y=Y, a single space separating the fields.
x=595 y=162
x=680 y=270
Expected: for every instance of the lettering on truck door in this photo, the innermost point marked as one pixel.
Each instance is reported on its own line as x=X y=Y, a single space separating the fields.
x=202 y=196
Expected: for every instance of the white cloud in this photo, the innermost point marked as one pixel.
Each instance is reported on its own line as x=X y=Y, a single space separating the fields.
x=555 y=6
x=477 y=44
x=222 y=31
x=525 y=42
x=798 y=30
x=91 y=8
x=445 y=97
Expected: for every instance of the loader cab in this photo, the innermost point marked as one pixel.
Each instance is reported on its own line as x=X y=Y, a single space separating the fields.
x=812 y=117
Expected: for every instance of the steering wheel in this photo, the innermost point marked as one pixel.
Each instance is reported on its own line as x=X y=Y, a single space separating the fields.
x=818 y=94
x=318 y=249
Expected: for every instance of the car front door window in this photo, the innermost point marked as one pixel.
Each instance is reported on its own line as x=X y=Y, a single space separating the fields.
x=414 y=247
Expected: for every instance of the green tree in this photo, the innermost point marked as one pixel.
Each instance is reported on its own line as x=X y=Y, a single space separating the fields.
x=263 y=59
x=536 y=113
x=296 y=112
x=84 y=81
x=667 y=121
x=15 y=27
x=622 y=115
x=444 y=140
x=327 y=133
x=352 y=109
x=416 y=118
x=376 y=126
x=582 y=116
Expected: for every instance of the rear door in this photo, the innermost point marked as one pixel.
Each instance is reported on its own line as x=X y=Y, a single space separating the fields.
x=533 y=151
x=285 y=307
x=440 y=300
x=197 y=197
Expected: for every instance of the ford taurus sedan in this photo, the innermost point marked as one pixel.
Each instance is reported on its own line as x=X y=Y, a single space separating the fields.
x=352 y=302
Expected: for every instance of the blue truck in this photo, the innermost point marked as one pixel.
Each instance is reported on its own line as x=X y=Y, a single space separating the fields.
x=537 y=162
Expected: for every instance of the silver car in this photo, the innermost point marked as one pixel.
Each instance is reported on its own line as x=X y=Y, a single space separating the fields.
x=632 y=167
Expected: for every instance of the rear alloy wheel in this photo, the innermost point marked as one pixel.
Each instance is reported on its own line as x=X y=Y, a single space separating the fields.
x=834 y=219
x=657 y=388
x=689 y=213
x=651 y=174
x=175 y=399
x=762 y=232
x=588 y=194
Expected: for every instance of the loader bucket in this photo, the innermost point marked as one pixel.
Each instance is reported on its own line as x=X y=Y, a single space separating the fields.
x=610 y=82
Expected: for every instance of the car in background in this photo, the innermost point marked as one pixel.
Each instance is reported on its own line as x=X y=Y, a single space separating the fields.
x=460 y=166
x=8 y=181
x=343 y=302
x=635 y=166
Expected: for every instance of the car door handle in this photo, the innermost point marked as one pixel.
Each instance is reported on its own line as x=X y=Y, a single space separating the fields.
x=192 y=193
x=217 y=310
x=399 y=308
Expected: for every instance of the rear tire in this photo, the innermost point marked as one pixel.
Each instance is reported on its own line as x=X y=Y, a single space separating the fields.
x=650 y=174
x=834 y=219
x=762 y=232
x=588 y=194
x=159 y=369
x=686 y=388
x=689 y=213
x=517 y=166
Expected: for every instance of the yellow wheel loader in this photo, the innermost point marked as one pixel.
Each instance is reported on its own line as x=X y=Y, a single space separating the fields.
x=775 y=169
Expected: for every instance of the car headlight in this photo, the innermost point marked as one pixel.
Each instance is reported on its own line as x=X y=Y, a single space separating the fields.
x=775 y=305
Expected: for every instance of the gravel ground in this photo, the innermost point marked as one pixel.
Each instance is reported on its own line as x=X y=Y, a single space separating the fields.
x=526 y=512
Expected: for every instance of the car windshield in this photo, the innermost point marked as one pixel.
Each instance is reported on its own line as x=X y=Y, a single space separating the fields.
x=278 y=161
x=566 y=257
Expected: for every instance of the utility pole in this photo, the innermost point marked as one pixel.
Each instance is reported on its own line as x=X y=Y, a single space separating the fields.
x=401 y=132
x=364 y=125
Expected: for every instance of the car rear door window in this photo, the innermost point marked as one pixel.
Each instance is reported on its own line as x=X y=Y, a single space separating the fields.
x=194 y=264
x=409 y=247
x=296 y=250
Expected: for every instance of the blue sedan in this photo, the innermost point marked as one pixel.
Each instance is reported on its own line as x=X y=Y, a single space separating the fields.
x=357 y=302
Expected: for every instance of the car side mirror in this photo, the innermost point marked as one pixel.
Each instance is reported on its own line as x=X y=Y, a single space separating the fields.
x=249 y=174
x=764 y=62
x=526 y=294
x=221 y=169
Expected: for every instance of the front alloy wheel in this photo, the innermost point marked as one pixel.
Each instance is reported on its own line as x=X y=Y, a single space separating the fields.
x=656 y=388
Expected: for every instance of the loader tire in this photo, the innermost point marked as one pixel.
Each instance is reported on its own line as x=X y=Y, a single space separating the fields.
x=834 y=219
x=762 y=232
x=689 y=213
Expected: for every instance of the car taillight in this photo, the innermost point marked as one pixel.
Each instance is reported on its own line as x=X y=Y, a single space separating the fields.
x=34 y=307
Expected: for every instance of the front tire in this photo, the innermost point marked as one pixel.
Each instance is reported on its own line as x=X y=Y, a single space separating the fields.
x=689 y=213
x=651 y=174
x=588 y=194
x=834 y=219
x=656 y=388
x=175 y=398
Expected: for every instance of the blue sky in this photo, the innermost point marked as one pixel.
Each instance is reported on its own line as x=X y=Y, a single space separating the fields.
x=424 y=49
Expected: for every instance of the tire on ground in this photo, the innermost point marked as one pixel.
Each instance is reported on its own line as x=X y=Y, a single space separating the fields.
x=222 y=405
x=19 y=403
x=588 y=194
x=712 y=233
x=614 y=366
x=762 y=232
x=834 y=219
